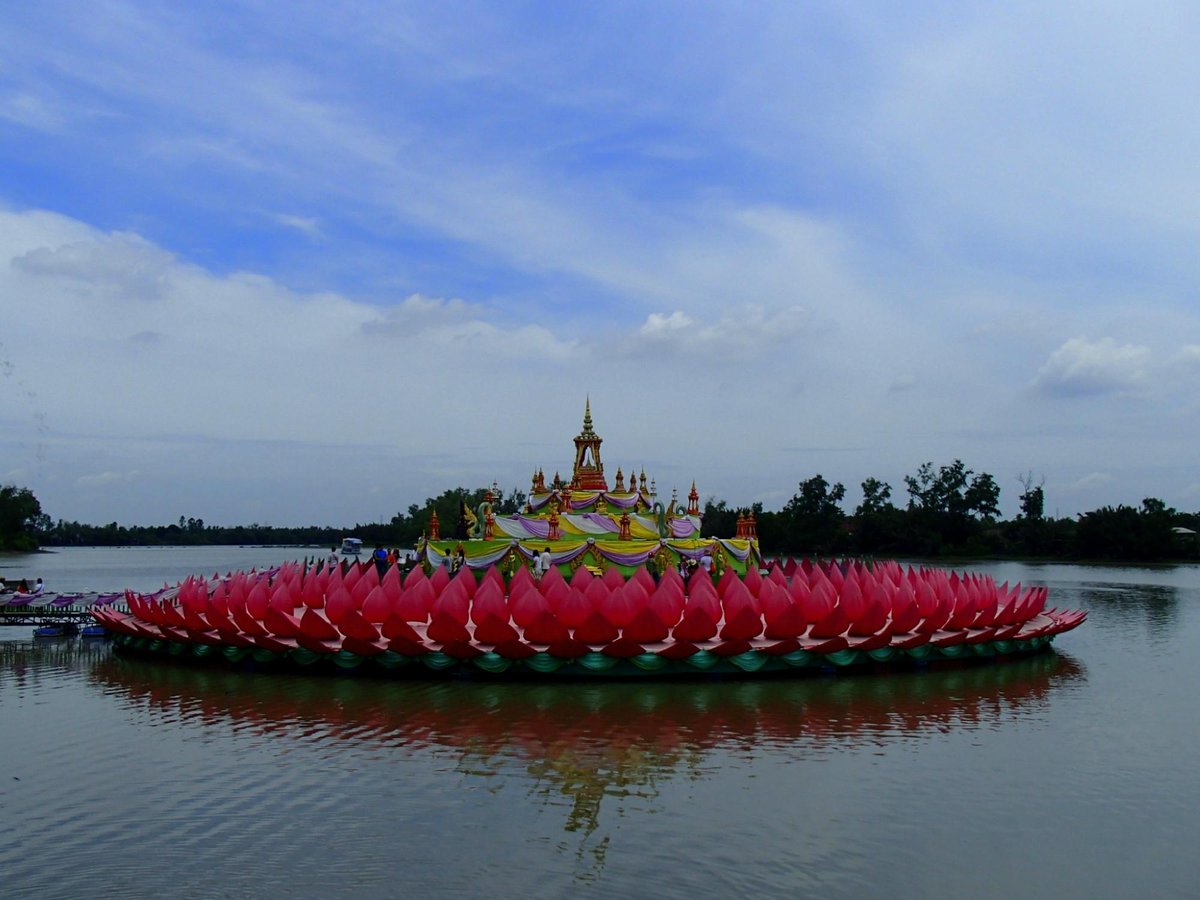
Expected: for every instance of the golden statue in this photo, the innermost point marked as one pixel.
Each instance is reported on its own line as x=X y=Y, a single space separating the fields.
x=624 y=534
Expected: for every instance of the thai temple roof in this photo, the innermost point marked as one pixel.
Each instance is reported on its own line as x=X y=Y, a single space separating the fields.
x=627 y=517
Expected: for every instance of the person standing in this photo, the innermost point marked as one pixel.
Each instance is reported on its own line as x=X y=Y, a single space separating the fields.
x=544 y=562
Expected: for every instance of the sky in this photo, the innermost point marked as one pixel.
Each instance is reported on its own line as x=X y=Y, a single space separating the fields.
x=311 y=263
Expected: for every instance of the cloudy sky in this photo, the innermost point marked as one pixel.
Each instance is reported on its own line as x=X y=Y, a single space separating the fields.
x=312 y=263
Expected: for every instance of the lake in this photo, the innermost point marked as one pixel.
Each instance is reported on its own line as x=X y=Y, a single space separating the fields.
x=1063 y=774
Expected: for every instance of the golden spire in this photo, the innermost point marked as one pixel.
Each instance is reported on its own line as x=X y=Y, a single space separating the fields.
x=587 y=418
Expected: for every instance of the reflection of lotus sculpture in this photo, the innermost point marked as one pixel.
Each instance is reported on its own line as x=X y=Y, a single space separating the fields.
x=797 y=617
x=594 y=743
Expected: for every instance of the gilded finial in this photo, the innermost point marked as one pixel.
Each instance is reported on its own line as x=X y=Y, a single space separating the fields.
x=587 y=416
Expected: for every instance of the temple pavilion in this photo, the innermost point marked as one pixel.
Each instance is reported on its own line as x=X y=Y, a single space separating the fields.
x=585 y=521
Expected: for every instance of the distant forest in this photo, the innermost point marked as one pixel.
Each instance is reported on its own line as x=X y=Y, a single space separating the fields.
x=949 y=511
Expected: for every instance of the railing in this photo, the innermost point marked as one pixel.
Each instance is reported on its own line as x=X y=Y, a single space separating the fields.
x=18 y=615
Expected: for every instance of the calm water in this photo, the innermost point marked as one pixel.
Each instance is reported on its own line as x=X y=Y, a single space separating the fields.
x=1068 y=774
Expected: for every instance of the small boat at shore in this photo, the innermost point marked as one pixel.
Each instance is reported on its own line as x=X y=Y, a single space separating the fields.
x=56 y=630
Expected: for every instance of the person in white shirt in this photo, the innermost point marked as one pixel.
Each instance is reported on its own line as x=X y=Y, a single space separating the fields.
x=543 y=564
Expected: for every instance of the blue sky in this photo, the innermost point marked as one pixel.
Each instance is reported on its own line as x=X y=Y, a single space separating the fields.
x=313 y=262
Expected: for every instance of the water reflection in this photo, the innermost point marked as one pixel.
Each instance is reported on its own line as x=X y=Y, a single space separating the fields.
x=20 y=657
x=1118 y=607
x=592 y=744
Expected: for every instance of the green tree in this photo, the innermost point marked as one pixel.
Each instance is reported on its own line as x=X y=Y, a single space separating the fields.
x=946 y=505
x=719 y=520
x=20 y=518
x=1033 y=498
x=812 y=519
x=1128 y=533
x=877 y=498
x=1030 y=531
x=878 y=524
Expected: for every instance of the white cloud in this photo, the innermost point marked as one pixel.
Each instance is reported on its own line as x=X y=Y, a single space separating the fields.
x=659 y=327
x=885 y=231
x=103 y=479
x=1082 y=367
x=308 y=225
x=30 y=111
x=226 y=363
x=120 y=262
x=1089 y=482
x=457 y=323
x=417 y=315
x=1188 y=357
x=744 y=329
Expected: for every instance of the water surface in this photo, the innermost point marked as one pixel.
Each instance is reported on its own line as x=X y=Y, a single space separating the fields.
x=1062 y=774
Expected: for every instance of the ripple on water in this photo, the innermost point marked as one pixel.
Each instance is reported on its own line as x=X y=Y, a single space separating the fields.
x=167 y=779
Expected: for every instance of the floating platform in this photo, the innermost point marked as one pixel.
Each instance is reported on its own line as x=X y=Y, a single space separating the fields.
x=797 y=617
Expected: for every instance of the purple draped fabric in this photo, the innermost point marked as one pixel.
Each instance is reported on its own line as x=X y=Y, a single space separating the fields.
x=682 y=528
x=603 y=521
x=740 y=555
x=626 y=502
x=538 y=527
x=627 y=559
x=559 y=557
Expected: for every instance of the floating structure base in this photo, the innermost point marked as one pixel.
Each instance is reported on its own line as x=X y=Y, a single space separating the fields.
x=797 y=618
x=591 y=665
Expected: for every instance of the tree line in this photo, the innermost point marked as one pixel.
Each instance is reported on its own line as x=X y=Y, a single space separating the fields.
x=403 y=530
x=948 y=511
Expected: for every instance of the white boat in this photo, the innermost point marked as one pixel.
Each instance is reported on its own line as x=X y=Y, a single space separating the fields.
x=351 y=546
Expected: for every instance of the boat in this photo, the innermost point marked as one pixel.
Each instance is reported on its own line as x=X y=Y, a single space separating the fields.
x=22 y=596
x=56 y=629
x=351 y=546
x=632 y=589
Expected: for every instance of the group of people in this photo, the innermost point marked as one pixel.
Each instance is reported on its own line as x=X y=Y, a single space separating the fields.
x=453 y=562
x=21 y=587
x=687 y=565
x=382 y=557
x=542 y=563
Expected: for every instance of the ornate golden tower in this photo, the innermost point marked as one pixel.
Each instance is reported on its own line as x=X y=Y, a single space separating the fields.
x=589 y=470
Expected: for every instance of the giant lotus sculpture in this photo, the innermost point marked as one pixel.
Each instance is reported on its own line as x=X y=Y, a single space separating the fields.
x=632 y=588
x=798 y=616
